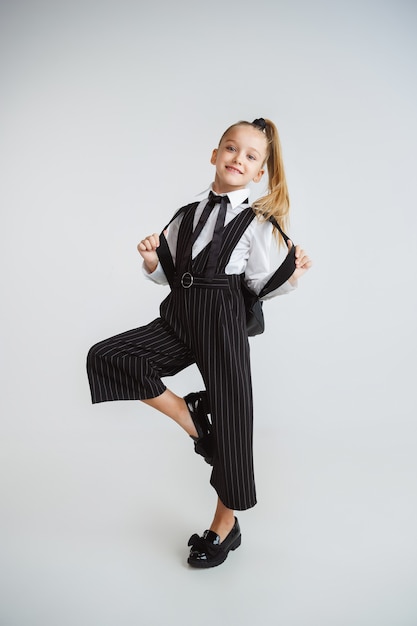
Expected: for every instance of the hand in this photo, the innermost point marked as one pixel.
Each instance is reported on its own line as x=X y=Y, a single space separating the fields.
x=147 y=249
x=302 y=263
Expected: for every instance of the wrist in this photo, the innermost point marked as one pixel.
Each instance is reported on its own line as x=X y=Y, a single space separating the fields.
x=150 y=267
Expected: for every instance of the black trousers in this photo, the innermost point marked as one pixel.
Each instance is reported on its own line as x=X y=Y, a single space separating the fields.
x=203 y=324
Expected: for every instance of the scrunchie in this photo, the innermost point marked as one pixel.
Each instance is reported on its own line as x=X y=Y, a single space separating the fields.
x=259 y=123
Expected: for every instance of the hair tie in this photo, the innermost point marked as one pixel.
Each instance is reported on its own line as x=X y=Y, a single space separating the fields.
x=259 y=123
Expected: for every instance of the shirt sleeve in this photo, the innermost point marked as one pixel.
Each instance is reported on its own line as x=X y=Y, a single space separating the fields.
x=157 y=276
x=258 y=266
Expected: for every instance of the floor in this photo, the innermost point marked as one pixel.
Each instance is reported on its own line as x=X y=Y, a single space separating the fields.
x=95 y=527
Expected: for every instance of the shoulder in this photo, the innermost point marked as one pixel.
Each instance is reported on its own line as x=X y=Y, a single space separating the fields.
x=259 y=231
x=260 y=224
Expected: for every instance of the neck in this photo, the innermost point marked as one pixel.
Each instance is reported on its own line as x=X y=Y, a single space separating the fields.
x=218 y=188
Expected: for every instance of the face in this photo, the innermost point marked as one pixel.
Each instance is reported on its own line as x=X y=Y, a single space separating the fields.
x=239 y=159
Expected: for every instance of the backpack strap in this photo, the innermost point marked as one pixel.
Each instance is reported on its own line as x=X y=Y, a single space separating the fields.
x=285 y=270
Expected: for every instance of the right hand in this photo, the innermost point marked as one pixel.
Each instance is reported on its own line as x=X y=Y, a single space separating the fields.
x=302 y=263
x=147 y=249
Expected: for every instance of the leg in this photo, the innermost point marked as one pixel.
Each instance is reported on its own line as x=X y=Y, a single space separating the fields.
x=223 y=521
x=174 y=407
x=230 y=398
x=214 y=546
x=191 y=413
x=221 y=350
x=130 y=366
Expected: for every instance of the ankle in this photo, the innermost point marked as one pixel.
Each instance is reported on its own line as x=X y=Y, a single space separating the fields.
x=222 y=527
x=184 y=419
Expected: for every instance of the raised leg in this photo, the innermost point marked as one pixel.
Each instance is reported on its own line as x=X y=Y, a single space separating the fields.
x=176 y=408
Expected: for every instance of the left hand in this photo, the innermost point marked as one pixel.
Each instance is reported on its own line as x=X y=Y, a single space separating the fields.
x=302 y=263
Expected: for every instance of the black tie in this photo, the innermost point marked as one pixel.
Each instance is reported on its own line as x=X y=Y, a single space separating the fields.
x=217 y=234
x=212 y=201
x=216 y=242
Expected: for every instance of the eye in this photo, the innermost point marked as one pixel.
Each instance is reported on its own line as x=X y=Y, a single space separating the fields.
x=252 y=157
x=230 y=148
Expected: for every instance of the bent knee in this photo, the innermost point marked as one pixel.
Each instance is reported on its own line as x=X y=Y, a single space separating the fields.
x=96 y=351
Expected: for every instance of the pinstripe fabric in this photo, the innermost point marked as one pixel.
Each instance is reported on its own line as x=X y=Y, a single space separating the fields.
x=204 y=324
x=130 y=366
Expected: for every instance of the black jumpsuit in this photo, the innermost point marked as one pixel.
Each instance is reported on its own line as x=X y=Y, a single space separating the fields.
x=204 y=324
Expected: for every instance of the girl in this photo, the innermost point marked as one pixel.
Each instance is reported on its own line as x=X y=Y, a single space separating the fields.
x=212 y=242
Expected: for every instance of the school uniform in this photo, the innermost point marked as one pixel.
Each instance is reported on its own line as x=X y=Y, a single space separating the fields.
x=201 y=321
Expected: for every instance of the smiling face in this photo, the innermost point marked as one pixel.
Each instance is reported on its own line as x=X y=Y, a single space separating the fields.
x=239 y=158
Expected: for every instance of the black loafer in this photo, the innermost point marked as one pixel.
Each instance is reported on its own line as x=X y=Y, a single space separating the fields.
x=198 y=407
x=207 y=551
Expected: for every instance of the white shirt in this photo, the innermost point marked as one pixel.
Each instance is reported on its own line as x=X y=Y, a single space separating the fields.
x=251 y=255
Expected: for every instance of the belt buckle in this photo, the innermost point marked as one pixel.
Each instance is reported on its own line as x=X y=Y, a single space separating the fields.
x=187 y=280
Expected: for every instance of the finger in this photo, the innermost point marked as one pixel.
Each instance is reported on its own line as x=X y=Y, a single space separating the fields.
x=145 y=245
x=299 y=254
x=152 y=241
x=306 y=262
x=149 y=243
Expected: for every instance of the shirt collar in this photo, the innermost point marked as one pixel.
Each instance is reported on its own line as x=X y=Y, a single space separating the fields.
x=235 y=197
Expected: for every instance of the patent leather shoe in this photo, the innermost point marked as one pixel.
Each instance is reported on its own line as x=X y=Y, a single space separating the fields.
x=197 y=405
x=208 y=551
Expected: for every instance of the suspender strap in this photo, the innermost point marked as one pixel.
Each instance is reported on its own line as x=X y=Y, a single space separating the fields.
x=163 y=251
x=282 y=274
x=285 y=270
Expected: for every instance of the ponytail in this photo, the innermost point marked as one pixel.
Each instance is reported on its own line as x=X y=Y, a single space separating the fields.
x=276 y=203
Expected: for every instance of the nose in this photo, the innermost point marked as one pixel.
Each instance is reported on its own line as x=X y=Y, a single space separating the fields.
x=237 y=157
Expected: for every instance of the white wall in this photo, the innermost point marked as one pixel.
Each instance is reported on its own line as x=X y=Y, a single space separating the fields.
x=109 y=113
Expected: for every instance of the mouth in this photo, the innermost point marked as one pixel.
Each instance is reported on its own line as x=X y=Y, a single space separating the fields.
x=233 y=170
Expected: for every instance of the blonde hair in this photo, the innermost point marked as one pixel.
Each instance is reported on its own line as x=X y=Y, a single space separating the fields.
x=276 y=203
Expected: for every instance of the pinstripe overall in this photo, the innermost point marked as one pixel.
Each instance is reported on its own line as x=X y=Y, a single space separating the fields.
x=202 y=323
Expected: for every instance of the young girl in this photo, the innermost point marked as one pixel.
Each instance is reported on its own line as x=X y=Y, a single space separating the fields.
x=213 y=242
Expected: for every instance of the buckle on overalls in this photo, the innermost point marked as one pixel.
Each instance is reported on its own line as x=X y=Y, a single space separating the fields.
x=187 y=280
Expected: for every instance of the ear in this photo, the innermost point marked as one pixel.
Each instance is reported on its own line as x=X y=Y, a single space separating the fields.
x=258 y=176
x=213 y=157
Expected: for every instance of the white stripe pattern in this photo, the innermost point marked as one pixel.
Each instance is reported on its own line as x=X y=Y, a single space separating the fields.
x=204 y=324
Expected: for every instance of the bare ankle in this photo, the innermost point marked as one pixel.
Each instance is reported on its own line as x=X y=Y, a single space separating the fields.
x=224 y=520
x=185 y=420
x=176 y=408
x=222 y=527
